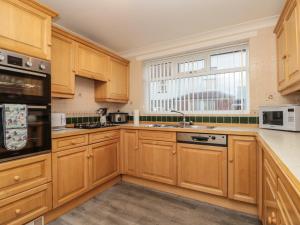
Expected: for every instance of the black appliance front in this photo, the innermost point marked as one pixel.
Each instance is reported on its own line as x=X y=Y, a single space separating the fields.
x=24 y=87
x=39 y=133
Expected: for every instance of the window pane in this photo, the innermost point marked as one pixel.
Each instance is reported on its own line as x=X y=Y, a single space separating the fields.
x=228 y=60
x=191 y=89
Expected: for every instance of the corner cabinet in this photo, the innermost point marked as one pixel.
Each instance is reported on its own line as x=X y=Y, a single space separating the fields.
x=117 y=86
x=288 y=48
x=26 y=28
x=62 y=66
x=242 y=169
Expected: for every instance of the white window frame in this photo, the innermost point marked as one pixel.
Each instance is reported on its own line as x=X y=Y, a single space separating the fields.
x=205 y=54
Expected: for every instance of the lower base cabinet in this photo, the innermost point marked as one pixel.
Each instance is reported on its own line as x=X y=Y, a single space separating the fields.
x=75 y=171
x=104 y=162
x=26 y=206
x=70 y=174
x=202 y=168
x=157 y=160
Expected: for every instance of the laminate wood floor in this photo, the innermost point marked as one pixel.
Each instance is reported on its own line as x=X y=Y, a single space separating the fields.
x=126 y=204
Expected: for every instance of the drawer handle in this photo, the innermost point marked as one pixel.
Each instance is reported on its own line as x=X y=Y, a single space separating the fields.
x=88 y=156
x=18 y=211
x=174 y=152
x=17 y=178
x=74 y=143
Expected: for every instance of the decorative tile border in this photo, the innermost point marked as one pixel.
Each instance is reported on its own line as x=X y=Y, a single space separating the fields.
x=201 y=119
x=82 y=119
x=197 y=119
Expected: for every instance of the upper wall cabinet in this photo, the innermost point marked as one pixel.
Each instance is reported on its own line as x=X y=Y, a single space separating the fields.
x=72 y=55
x=116 y=87
x=91 y=63
x=26 y=28
x=288 y=48
x=63 y=67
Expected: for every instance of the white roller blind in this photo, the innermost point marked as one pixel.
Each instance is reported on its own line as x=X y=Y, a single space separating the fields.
x=213 y=81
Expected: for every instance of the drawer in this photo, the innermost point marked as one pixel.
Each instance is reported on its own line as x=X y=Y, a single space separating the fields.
x=270 y=172
x=103 y=136
x=158 y=135
x=23 y=174
x=26 y=206
x=69 y=142
x=289 y=202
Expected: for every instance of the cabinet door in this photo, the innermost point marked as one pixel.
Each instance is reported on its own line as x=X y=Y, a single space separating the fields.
x=25 y=29
x=118 y=80
x=62 y=66
x=129 y=149
x=91 y=63
x=292 y=39
x=158 y=161
x=104 y=162
x=70 y=174
x=203 y=168
x=242 y=169
x=281 y=57
x=269 y=197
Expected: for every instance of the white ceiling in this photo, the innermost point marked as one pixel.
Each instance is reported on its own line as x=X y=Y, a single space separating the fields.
x=124 y=25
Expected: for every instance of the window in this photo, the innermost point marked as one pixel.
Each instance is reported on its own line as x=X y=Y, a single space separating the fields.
x=214 y=81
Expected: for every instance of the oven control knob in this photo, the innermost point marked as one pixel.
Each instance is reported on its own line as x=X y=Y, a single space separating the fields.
x=213 y=138
x=2 y=57
x=28 y=63
x=42 y=66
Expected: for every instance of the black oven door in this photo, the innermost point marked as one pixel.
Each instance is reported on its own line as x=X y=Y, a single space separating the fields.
x=39 y=133
x=24 y=87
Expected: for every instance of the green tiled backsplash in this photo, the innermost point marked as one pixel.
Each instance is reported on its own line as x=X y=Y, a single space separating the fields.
x=197 y=119
x=201 y=119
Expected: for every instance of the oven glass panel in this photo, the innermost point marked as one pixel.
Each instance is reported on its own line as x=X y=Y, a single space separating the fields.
x=39 y=133
x=273 y=118
x=17 y=87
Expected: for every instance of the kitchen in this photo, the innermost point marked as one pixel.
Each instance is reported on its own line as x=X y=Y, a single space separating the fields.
x=128 y=113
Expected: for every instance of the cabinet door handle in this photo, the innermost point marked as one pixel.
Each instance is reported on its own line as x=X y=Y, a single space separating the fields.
x=17 y=178
x=231 y=160
x=18 y=211
x=88 y=156
x=174 y=152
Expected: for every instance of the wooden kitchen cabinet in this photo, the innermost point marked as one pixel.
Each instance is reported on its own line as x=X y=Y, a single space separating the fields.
x=242 y=169
x=288 y=48
x=91 y=63
x=26 y=28
x=129 y=151
x=157 y=161
x=202 y=168
x=62 y=65
x=117 y=86
x=24 y=174
x=104 y=162
x=26 y=206
x=70 y=174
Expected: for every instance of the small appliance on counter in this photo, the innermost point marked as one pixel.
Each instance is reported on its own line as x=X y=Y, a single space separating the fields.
x=285 y=117
x=58 y=121
x=118 y=117
x=102 y=112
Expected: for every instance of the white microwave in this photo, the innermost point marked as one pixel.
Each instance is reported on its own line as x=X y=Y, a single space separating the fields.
x=280 y=117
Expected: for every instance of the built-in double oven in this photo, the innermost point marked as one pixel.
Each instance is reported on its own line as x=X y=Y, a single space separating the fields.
x=25 y=81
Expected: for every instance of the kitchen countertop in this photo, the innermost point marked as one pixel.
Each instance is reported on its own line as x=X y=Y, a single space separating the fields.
x=285 y=145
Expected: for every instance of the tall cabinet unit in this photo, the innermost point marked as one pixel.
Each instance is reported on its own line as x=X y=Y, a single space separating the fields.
x=26 y=28
x=288 y=48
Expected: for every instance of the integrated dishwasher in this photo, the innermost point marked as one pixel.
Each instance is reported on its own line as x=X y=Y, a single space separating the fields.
x=202 y=162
